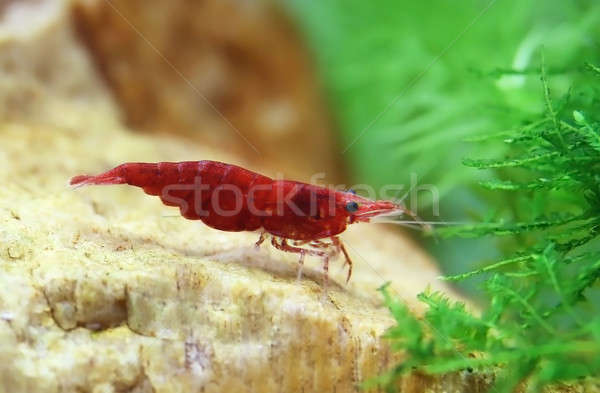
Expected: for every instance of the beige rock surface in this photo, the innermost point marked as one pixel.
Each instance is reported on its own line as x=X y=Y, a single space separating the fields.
x=106 y=290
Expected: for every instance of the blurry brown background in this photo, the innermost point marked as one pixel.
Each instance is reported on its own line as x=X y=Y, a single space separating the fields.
x=230 y=74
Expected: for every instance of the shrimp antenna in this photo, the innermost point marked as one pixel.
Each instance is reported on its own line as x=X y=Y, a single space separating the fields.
x=400 y=222
x=427 y=228
x=424 y=226
x=403 y=196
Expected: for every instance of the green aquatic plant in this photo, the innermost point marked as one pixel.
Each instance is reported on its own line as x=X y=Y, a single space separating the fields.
x=409 y=82
x=541 y=325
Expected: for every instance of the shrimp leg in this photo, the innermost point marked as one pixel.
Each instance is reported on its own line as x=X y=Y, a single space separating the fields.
x=339 y=245
x=261 y=239
x=284 y=246
x=338 y=248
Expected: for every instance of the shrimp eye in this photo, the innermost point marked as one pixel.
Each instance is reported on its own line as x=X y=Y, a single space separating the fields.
x=351 y=207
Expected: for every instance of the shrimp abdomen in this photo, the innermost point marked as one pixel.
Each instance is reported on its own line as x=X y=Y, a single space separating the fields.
x=211 y=191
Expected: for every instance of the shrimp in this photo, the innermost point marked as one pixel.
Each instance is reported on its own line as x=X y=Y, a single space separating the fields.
x=230 y=198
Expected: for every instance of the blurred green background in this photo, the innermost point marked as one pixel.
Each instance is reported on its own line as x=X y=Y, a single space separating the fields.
x=410 y=81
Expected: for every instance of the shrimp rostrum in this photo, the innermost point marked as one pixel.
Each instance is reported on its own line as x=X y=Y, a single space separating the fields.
x=302 y=218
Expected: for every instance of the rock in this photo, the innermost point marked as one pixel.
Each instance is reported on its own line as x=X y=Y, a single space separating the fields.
x=106 y=290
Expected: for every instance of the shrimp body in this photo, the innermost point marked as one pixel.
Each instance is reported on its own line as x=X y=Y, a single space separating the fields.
x=230 y=198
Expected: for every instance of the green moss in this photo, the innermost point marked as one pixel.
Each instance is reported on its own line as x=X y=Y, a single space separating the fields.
x=542 y=323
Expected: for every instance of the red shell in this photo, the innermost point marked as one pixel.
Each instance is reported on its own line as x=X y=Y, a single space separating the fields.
x=230 y=198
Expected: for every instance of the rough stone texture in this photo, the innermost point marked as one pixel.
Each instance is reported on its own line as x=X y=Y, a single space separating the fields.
x=106 y=290
x=102 y=290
